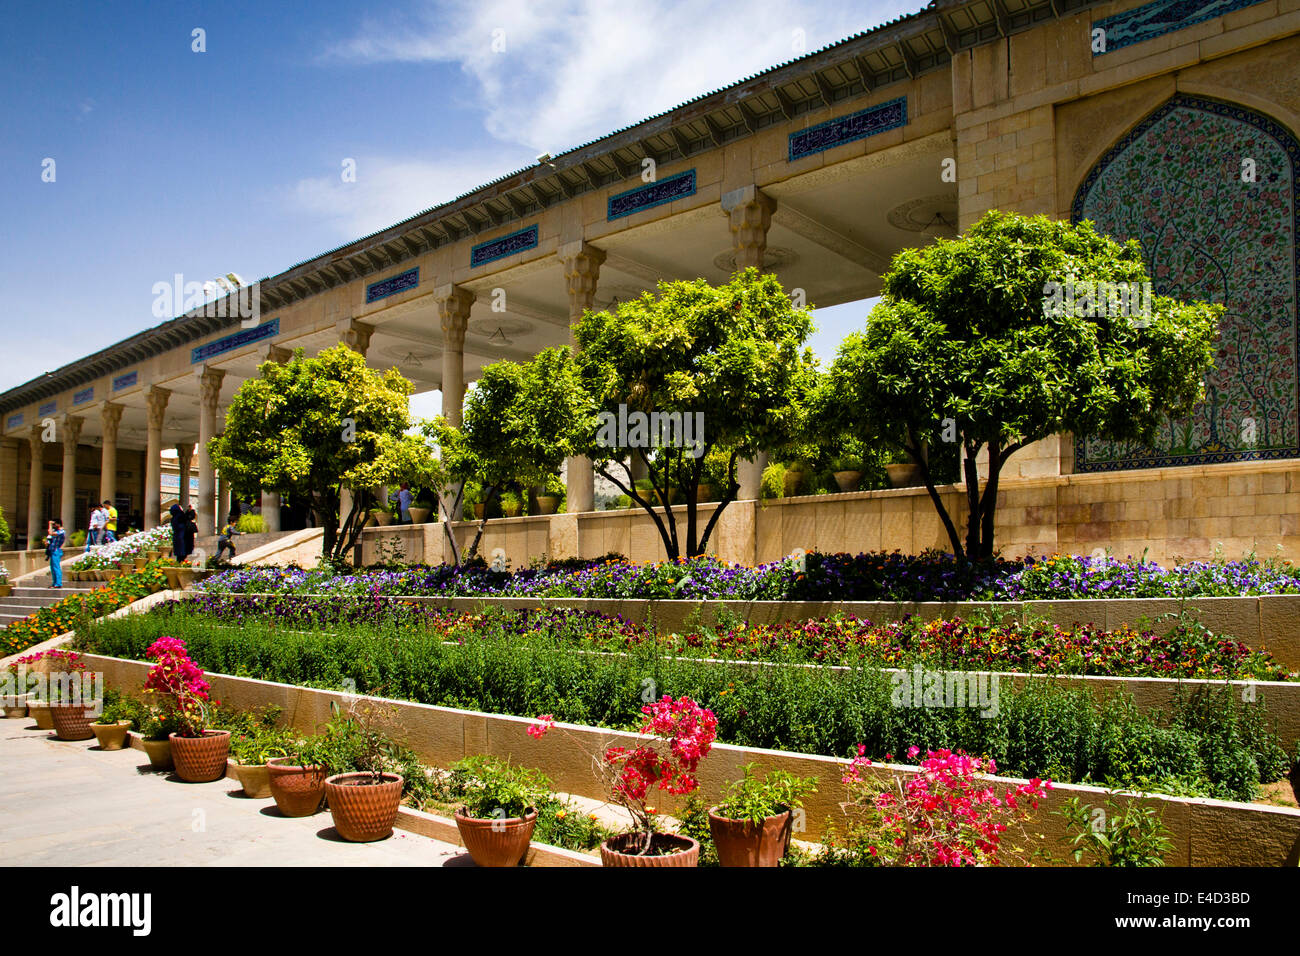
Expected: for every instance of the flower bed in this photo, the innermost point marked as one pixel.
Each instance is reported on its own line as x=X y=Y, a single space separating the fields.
x=127 y=549
x=932 y=576
x=1182 y=650
x=1207 y=743
x=76 y=609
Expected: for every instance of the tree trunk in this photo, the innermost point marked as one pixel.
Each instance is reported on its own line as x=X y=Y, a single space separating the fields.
x=972 y=473
x=669 y=540
x=923 y=463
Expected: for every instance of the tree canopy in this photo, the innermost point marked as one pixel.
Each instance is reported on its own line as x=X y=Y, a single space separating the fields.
x=309 y=426
x=973 y=342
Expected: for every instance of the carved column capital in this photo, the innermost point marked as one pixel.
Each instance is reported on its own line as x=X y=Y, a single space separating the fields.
x=279 y=354
x=749 y=211
x=36 y=440
x=110 y=417
x=210 y=387
x=356 y=336
x=157 y=400
x=582 y=262
x=454 y=304
x=71 y=425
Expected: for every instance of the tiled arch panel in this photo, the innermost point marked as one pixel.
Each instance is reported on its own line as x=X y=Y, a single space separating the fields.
x=1175 y=183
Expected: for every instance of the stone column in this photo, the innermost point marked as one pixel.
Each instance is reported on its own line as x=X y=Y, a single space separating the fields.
x=157 y=399
x=36 y=480
x=270 y=499
x=71 y=437
x=453 y=309
x=749 y=211
x=356 y=336
x=184 y=460
x=110 y=417
x=209 y=397
x=582 y=263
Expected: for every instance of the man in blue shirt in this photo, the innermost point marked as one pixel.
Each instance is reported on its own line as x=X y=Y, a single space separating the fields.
x=54 y=538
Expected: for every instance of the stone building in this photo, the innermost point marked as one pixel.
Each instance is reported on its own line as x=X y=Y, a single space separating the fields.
x=1173 y=121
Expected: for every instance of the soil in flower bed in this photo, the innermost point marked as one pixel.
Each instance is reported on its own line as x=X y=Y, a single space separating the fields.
x=1205 y=743
x=878 y=576
x=1179 y=648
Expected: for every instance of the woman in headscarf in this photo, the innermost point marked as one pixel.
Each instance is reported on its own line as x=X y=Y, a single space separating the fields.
x=179 y=523
x=191 y=529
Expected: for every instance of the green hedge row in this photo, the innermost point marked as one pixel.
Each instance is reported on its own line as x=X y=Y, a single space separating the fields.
x=1207 y=744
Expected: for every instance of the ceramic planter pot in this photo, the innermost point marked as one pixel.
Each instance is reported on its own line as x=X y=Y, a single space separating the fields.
x=110 y=574
x=419 y=515
x=666 y=849
x=185 y=577
x=201 y=759
x=6 y=590
x=793 y=481
x=381 y=518
x=111 y=736
x=479 y=509
x=496 y=842
x=903 y=475
x=71 y=722
x=254 y=778
x=15 y=705
x=40 y=711
x=363 y=809
x=153 y=555
x=546 y=504
x=159 y=752
x=141 y=563
x=742 y=843
x=511 y=510
x=848 y=480
x=297 y=790
x=173 y=576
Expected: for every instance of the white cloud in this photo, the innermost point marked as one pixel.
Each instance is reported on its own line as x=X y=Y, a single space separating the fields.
x=386 y=191
x=573 y=70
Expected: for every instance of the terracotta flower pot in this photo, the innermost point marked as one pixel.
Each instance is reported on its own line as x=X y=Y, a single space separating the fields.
x=159 y=753
x=742 y=843
x=111 y=736
x=419 y=515
x=512 y=510
x=479 y=509
x=15 y=705
x=666 y=849
x=6 y=590
x=254 y=778
x=173 y=576
x=153 y=555
x=547 y=504
x=848 y=480
x=382 y=518
x=71 y=722
x=297 y=790
x=364 y=810
x=496 y=842
x=185 y=577
x=40 y=711
x=201 y=759
x=141 y=563
x=903 y=475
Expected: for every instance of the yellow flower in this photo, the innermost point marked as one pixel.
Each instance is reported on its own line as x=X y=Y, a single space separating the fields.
x=561 y=814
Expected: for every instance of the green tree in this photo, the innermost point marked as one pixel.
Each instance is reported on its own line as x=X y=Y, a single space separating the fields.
x=309 y=426
x=4 y=530
x=967 y=345
x=731 y=357
x=520 y=421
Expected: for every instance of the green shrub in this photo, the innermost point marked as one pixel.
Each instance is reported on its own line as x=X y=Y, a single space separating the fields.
x=1208 y=744
x=250 y=524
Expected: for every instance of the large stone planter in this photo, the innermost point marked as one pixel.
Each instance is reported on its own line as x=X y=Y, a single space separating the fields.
x=904 y=475
x=848 y=480
x=419 y=515
x=547 y=504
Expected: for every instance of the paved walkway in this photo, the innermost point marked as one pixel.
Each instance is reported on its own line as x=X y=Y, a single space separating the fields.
x=67 y=803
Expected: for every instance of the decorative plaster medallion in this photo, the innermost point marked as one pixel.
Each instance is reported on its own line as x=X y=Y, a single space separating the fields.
x=774 y=257
x=918 y=215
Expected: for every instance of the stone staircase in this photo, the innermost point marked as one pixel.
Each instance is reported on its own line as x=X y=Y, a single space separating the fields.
x=33 y=595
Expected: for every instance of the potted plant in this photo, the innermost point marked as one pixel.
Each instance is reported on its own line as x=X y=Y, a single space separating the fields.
x=177 y=683
x=154 y=736
x=903 y=472
x=249 y=752
x=118 y=718
x=796 y=477
x=753 y=823
x=297 y=779
x=362 y=792
x=511 y=504
x=848 y=472
x=6 y=588
x=381 y=516
x=549 y=495
x=420 y=511
x=683 y=734
x=68 y=695
x=500 y=810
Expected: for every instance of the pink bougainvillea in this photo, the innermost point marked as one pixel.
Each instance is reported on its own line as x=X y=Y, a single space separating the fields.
x=178 y=685
x=945 y=815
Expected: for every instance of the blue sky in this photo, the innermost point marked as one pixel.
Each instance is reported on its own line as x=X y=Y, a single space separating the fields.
x=167 y=160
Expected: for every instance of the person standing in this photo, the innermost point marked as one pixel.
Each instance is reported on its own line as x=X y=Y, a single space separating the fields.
x=95 y=526
x=178 y=523
x=225 y=537
x=191 y=529
x=54 y=538
x=404 y=501
x=110 y=523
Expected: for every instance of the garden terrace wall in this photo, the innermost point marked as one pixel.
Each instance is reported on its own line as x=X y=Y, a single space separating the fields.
x=1203 y=832
x=1168 y=513
x=1268 y=622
